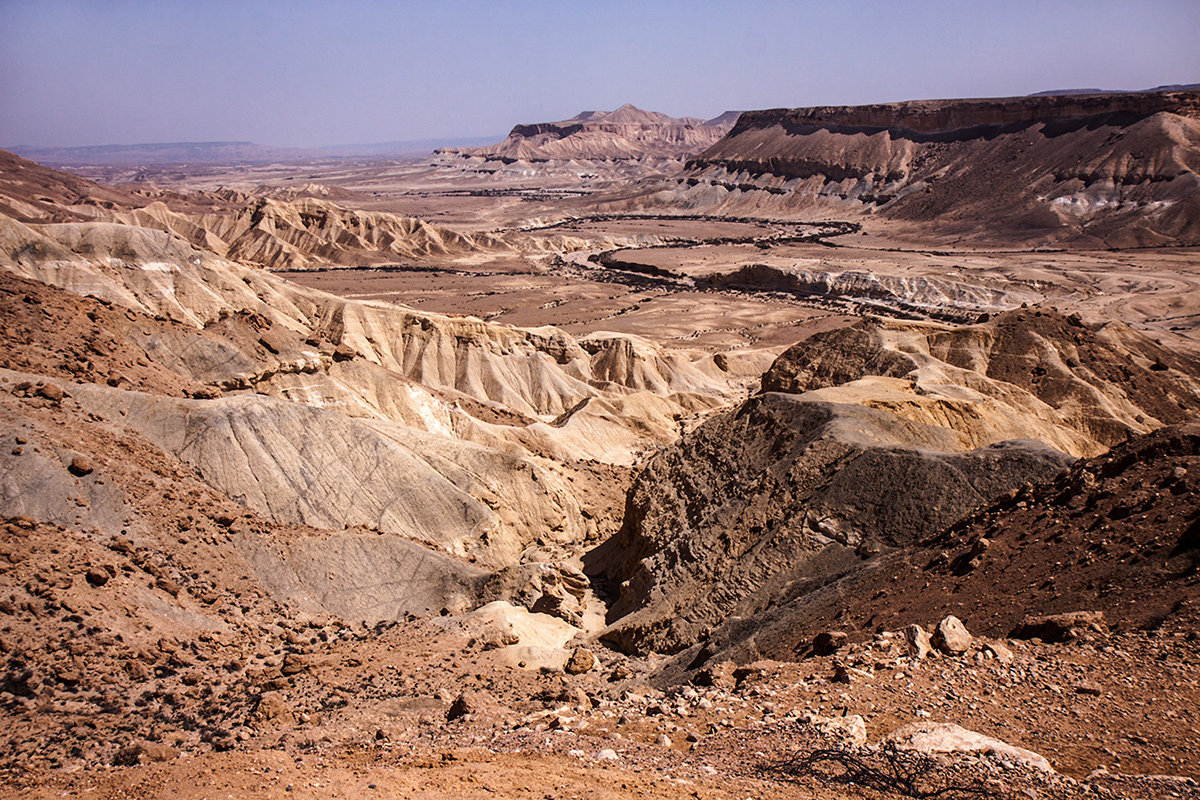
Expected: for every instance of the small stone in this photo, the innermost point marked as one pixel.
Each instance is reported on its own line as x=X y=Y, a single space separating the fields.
x=620 y=672
x=850 y=729
x=951 y=636
x=51 y=391
x=167 y=585
x=1000 y=652
x=1060 y=627
x=827 y=643
x=582 y=660
x=270 y=706
x=1089 y=688
x=96 y=577
x=144 y=753
x=719 y=675
x=80 y=466
x=918 y=641
x=606 y=755
x=663 y=740
x=293 y=664
x=469 y=702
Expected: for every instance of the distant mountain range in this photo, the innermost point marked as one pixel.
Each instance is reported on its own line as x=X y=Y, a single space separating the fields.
x=1170 y=87
x=227 y=152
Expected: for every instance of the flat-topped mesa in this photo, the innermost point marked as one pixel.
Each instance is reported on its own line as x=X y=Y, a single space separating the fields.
x=932 y=119
x=1096 y=170
x=626 y=133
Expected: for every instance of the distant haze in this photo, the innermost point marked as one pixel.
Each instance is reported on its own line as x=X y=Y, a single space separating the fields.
x=306 y=74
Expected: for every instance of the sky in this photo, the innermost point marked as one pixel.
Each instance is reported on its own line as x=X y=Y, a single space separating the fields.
x=301 y=74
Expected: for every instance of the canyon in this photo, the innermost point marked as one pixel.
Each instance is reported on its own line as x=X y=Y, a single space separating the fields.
x=630 y=456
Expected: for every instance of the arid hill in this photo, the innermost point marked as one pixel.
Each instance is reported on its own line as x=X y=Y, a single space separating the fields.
x=300 y=229
x=1101 y=170
x=866 y=439
x=627 y=133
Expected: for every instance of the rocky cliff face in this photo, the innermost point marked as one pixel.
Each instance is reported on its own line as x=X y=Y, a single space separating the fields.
x=951 y=119
x=1112 y=169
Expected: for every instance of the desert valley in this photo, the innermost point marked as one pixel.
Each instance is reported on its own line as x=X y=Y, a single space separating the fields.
x=817 y=452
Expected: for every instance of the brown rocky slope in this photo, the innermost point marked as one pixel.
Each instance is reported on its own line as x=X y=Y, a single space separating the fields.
x=1116 y=536
x=787 y=492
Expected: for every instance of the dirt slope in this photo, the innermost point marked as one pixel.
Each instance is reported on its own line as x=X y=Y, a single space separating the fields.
x=784 y=492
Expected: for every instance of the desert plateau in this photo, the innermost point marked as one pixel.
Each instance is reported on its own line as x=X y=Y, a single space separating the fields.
x=816 y=452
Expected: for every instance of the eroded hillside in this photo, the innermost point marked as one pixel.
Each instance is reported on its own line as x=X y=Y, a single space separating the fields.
x=1096 y=170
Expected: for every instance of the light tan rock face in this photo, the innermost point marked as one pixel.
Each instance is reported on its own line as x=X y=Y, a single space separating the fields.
x=945 y=737
x=1028 y=373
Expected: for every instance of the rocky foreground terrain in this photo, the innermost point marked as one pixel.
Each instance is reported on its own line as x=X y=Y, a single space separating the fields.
x=665 y=524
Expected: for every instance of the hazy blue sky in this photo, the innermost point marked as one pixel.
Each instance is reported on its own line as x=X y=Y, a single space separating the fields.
x=309 y=73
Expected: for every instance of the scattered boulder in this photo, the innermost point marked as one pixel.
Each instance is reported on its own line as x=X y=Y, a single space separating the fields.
x=51 y=391
x=1060 y=627
x=850 y=729
x=143 y=753
x=582 y=660
x=271 y=705
x=557 y=604
x=293 y=664
x=999 y=652
x=81 y=465
x=944 y=737
x=951 y=636
x=471 y=702
x=719 y=675
x=918 y=641
x=492 y=636
x=827 y=643
x=96 y=577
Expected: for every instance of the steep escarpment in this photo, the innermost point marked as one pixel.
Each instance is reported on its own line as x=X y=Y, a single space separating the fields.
x=867 y=440
x=1110 y=169
x=473 y=442
x=626 y=133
